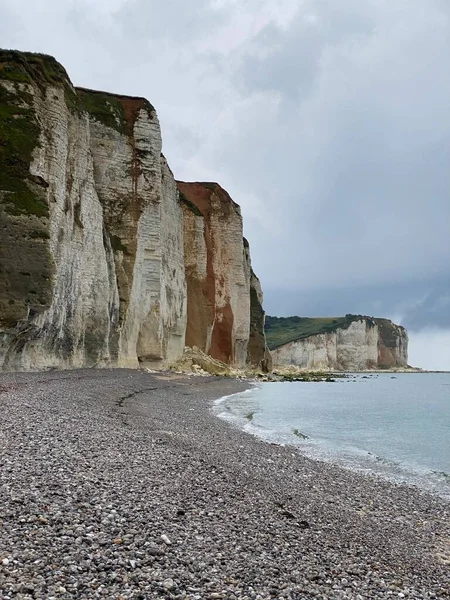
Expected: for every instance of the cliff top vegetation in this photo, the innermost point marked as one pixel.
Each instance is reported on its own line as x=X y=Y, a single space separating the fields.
x=31 y=67
x=282 y=330
x=20 y=129
x=19 y=132
x=113 y=110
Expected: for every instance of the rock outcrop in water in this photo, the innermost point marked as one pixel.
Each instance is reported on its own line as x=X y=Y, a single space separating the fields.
x=96 y=244
x=351 y=343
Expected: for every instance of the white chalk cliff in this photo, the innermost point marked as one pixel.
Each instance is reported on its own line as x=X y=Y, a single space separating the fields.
x=92 y=256
x=365 y=344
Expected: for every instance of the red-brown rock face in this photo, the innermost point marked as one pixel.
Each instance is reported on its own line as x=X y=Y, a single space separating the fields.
x=219 y=278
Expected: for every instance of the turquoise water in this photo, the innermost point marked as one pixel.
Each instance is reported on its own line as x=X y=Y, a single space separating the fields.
x=396 y=426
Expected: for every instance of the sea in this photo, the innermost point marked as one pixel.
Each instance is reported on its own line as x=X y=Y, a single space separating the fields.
x=392 y=425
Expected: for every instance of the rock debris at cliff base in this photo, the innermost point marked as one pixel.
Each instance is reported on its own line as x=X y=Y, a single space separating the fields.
x=122 y=484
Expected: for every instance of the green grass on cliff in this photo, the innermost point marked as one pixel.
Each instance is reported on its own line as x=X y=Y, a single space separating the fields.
x=43 y=70
x=388 y=332
x=282 y=330
x=20 y=193
x=104 y=108
x=39 y=69
x=29 y=67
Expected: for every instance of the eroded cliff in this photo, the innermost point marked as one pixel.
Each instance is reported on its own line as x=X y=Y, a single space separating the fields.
x=92 y=252
x=224 y=298
x=352 y=343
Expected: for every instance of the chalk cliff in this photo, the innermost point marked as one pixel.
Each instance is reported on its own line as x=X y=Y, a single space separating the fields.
x=224 y=299
x=356 y=344
x=92 y=252
x=258 y=354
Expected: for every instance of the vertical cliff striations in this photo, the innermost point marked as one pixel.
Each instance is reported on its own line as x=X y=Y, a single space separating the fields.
x=92 y=269
x=92 y=252
x=225 y=316
x=351 y=343
x=258 y=353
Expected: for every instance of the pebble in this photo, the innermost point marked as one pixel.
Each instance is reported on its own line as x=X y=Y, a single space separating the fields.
x=95 y=464
x=169 y=584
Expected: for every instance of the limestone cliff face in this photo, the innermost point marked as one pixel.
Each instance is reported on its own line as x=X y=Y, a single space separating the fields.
x=224 y=299
x=257 y=352
x=92 y=267
x=365 y=344
x=92 y=252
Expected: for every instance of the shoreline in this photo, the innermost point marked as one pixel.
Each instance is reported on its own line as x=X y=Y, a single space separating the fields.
x=367 y=464
x=132 y=487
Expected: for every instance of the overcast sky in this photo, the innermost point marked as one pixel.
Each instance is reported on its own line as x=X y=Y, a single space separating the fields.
x=328 y=121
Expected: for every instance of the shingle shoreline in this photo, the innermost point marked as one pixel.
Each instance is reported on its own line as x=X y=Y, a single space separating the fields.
x=122 y=484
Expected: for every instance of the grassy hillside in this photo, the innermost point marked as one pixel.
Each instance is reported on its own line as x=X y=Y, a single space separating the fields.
x=281 y=330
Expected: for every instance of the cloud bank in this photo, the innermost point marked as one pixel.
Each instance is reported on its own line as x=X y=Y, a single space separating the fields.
x=328 y=122
x=430 y=349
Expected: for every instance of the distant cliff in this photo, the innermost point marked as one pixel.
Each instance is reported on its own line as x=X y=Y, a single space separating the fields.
x=96 y=252
x=350 y=343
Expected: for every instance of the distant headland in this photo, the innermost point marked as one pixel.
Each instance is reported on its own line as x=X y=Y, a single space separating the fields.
x=350 y=343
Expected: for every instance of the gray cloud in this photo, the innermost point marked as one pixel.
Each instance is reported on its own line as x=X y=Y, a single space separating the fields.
x=286 y=60
x=416 y=304
x=328 y=122
x=357 y=166
x=432 y=309
x=147 y=21
x=430 y=349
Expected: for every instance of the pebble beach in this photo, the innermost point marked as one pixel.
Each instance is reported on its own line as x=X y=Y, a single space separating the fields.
x=123 y=484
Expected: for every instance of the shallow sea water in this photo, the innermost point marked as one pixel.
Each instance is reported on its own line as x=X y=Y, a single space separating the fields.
x=393 y=425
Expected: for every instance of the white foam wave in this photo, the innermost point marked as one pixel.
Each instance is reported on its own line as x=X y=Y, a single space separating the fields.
x=238 y=409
